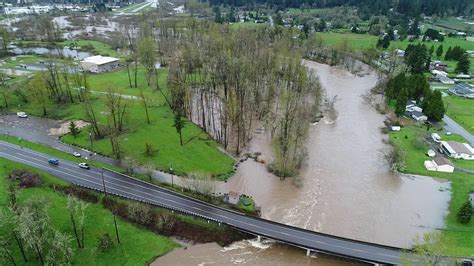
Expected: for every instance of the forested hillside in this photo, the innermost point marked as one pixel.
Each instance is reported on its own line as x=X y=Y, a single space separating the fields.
x=408 y=7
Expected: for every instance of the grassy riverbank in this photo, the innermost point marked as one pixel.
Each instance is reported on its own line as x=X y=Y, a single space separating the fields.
x=138 y=246
x=460 y=236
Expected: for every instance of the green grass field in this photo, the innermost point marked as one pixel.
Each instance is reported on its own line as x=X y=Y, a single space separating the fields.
x=454 y=24
x=138 y=246
x=356 y=41
x=460 y=236
x=461 y=110
x=448 y=42
x=199 y=154
x=246 y=25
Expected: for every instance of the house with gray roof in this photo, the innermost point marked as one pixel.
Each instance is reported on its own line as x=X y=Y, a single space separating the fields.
x=463 y=90
x=457 y=150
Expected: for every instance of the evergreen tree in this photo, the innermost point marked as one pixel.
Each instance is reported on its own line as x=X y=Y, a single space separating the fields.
x=465 y=213
x=433 y=105
x=447 y=56
x=439 y=51
x=73 y=129
x=431 y=50
x=217 y=15
x=463 y=64
x=414 y=28
x=279 y=19
x=395 y=85
x=391 y=34
x=401 y=102
x=416 y=57
x=419 y=86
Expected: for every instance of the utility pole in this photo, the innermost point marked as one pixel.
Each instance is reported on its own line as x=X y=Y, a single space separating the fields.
x=171 y=171
x=92 y=143
x=113 y=208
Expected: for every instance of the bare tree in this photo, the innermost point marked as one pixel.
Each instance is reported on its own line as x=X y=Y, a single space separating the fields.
x=76 y=210
x=116 y=109
x=331 y=110
x=60 y=251
x=145 y=103
x=147 y=53
x=33 y=226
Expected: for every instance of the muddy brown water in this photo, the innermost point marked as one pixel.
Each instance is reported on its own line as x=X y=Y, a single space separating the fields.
x=347 y=189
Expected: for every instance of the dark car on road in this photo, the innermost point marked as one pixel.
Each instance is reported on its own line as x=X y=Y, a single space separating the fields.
x=53 y=161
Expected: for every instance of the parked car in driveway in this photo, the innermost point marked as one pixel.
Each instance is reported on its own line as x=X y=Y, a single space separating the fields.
x=53 y=161
x=22 y=115
x=84 y=166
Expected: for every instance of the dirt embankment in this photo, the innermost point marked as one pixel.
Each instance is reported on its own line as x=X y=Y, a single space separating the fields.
x=64 y=127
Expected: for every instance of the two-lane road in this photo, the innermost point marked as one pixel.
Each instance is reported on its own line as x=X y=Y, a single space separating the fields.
x=131 y=188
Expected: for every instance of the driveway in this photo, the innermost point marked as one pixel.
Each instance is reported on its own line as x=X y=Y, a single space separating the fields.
x=37 y=130
x=454 y=127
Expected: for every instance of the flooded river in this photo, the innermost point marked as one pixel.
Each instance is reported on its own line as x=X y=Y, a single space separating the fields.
x=347 y=189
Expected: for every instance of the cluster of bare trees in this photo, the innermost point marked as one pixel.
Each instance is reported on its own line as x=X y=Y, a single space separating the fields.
x=230 y=82
x=57 y=84
x=31 y=231
x=38 y=27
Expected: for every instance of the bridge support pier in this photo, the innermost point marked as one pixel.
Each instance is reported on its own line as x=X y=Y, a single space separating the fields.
x=259 y=238
x=308 y=252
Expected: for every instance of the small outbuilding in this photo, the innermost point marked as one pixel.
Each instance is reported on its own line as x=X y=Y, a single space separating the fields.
x=234 y=198
x=439 y=164
x=431 y=153
x=99 y=64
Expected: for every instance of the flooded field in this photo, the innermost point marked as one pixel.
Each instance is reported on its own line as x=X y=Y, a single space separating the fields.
x=347 y=189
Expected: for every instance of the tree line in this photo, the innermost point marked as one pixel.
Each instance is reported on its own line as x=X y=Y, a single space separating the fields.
x=408 y=7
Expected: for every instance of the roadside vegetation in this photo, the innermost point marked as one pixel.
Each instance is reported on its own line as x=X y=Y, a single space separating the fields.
x=58 y=245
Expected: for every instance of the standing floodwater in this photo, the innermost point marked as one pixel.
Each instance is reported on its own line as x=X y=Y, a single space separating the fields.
x=347 y=188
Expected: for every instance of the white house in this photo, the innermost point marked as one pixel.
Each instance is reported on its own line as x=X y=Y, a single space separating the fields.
x=99 y=64
x=439 y=164
x=458 y=150
x=418 y=116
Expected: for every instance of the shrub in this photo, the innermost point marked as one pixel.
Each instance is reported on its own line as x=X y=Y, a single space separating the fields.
x=140 y=213
x=83 y=194
x=26 y=178
x=149 y=149
x=105 y=242
x=465 y=213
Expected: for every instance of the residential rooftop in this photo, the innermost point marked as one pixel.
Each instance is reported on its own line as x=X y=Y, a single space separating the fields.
x=99 y=60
